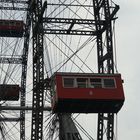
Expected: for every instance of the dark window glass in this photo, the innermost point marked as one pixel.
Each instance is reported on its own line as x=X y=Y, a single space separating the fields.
x=109 y=83
x=12 y=23
x=68 y=82
x=96 y=83
x=18 y=23
x=6 y=23
x=82 y=82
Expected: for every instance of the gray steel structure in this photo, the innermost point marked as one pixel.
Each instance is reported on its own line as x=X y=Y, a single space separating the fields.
x=24 y=73
x=38 y=70
x=36 y=9
x=104 y=59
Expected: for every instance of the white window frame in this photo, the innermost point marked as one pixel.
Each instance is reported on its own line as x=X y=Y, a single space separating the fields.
x=87 y=84
x=90 y=85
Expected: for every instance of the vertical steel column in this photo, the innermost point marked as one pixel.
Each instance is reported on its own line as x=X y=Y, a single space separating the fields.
x=24 y=73
x=38 y=72
x=100 y=62
x=110 y=64
x=110 y=61
x=67 y=128
x=97 y=7
x=100 y=126
x=108 y=57
x=110 y=126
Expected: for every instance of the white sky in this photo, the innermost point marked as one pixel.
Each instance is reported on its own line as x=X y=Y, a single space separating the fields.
x=128 y=53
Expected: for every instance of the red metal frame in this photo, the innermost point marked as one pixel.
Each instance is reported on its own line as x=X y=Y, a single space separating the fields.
x=93 y=96
x=11 y=28
x=9 y=92
x=11 y=24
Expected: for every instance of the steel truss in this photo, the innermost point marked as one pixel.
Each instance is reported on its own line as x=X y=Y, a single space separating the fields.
x=100 y=27
x=38 y=70
x=104 y=59
x=14 y=5
x=6 y=60
x=24 y=6
x=67 y=128
x=24 y=73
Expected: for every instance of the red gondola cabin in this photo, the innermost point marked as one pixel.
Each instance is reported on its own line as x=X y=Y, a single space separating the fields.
x=11 y=28
x=9 y=92
x=87 y=93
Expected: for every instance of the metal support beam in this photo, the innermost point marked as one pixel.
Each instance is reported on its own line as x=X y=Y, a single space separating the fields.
x=71 y=32
x=69 y=5
x=71 y=26
x=13 y=8
x=105 y=57
x=15 y=1
x=67 y=128
x=10 y=119
x=12 y=5
x=116 y=9
x=38 y=70
x=24 y=73
x=110 y=126
x=23 y=108
x=70 y=21
x=100 y=126
x=110 y=61
x=99 y=35
x=6 y=60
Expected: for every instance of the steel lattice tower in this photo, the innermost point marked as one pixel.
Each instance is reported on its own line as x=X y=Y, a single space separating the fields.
x=102 y=58
x=105 y=58
x=37 y=22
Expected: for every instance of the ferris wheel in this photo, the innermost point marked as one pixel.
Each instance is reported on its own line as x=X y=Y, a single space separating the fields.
x=58 y=73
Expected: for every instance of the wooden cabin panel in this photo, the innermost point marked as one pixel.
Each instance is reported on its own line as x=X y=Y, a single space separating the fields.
x=104 y=97
x=90 y=93
x=11 y=28
x=9 y=92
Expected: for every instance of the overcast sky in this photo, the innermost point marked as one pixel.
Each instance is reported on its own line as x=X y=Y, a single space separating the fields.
x=128 y=56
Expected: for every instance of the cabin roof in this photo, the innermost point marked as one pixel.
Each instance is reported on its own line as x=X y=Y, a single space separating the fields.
x=84 y=74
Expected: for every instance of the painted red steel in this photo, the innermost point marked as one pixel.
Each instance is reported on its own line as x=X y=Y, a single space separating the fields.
x=11 y=28
x=9 y=92
x=87 y=100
